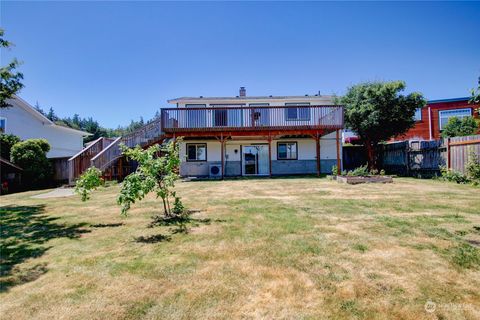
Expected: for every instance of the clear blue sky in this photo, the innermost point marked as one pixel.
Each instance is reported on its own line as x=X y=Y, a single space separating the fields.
x=118 y=61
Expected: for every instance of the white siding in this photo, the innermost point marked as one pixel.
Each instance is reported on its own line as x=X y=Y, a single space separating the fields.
x=63 y=142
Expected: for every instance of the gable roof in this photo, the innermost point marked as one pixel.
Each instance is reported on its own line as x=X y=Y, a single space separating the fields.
x=19 y=102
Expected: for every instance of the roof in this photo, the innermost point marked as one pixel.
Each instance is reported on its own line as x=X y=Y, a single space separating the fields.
x=45 y=121
x=238 y=98
x=449 y=100
x=8 y=163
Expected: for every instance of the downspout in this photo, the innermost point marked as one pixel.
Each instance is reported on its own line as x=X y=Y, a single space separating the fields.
x=430 y=122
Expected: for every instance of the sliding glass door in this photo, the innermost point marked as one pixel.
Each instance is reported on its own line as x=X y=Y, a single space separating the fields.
x=255 y=160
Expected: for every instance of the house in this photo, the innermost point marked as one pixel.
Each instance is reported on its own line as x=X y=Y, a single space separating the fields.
x=22 y=120
x=255 y=135
x=430 y=120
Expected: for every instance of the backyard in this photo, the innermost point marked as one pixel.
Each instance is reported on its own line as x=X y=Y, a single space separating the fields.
x=291 y=248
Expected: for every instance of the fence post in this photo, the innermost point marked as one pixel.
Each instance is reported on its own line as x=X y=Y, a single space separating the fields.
x=407 y=156
x=449 y=164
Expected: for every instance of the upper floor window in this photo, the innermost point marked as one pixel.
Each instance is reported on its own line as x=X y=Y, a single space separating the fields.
x=3 y=124
x=196 y=152
x=447 y=114
x=286 y=150
x=297 y=111
x=418 y=115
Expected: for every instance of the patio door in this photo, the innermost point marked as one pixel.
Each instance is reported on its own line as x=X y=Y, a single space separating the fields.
x=255 y=160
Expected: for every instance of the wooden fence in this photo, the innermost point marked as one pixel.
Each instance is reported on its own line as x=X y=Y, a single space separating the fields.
x=458 y=149
x=417 y=158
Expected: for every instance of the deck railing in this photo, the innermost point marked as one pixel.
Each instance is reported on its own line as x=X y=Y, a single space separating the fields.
x=107 y=155
x=251 y=118
x=81 y=161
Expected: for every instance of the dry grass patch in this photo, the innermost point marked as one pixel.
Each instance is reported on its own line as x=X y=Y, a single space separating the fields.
x=293 y=248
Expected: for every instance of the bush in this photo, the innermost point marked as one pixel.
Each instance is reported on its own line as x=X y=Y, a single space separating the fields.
x=359 y=172
x=460 y=127
x=453 y=176
x=31 y=156
x=7 y=141
x=334 y=170
x=473 y=166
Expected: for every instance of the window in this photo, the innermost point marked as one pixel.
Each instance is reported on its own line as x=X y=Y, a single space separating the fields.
x=3 y=124
x=196 y=152
x=447 y=114
x=297 y=111
x=418 y=115
x=287 y=151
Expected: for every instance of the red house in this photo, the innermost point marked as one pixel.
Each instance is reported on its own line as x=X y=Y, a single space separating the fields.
x=434 y=116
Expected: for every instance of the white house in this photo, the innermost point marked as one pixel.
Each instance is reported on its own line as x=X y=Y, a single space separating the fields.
x=22 y=120
x=256 y=135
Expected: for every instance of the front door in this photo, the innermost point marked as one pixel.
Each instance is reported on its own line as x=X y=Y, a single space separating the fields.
x=255 y=160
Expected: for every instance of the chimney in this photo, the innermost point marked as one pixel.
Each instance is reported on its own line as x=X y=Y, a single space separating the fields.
x=243 y=92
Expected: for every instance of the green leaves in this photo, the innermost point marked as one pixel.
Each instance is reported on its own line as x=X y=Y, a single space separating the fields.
x=10 y=79
x=460 y=127
x=376 y=111
x=88 y=181
x=156 y=172
x=31 y=156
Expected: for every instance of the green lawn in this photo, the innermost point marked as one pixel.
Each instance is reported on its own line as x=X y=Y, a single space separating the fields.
x=292 y=248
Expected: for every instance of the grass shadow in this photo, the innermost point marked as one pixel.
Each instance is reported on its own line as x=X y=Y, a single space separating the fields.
x=153 y=239
x=23 y=234
x=107 y=225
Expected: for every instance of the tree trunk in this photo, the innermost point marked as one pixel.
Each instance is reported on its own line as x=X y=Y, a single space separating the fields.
x=371 y=156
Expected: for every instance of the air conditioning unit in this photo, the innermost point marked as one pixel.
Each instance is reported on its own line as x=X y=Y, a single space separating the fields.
x=215 y=171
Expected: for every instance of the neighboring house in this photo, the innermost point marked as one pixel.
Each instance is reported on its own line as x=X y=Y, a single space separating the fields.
x=22 y=120
x=255 y=135
x=430 y=120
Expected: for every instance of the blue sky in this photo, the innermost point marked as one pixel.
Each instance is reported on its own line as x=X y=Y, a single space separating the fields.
x=118 y=61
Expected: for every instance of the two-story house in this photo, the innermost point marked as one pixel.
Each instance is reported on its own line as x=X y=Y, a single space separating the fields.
x=255 y=135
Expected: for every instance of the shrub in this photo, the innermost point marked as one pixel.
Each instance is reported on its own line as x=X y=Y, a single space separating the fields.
x=334 y=170
x=31 y=156
x=359 y=172
x=7 y=141
x=382 y=172
x=473 y=166
x=88 y=181
x=460 y=127
x=453 y=176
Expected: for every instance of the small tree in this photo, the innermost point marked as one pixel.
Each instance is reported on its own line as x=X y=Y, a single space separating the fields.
x=456 y=127
x=11 y=79
x=31 y=156
x=154 y=173
x=475 y=98
x=376 y=111
x=7 y=141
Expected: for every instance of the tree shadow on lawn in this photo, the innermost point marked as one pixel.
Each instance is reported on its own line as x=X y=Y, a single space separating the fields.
x=178 y=224
x=24 y=231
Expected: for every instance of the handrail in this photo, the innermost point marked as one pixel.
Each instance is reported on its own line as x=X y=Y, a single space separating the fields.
x=85 y=149
x=252 y=118
x=107 y=155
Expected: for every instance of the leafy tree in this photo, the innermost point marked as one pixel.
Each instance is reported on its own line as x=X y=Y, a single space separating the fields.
x=460 y=127
x=88 y=181
x=376 y=111
x=31 y=156
x=154 y=174
x=7 y=141
x=51 y=115
x=475 y=94
x=11 y=79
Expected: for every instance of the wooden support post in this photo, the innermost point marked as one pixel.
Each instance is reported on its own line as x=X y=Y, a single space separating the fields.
x=120 y=168
x=270 y=154
x=339 y=164
x=222 y=152
x=449 y=154
x=317 y=145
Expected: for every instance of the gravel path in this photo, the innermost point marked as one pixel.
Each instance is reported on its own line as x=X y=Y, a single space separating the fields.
x=57 y=193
